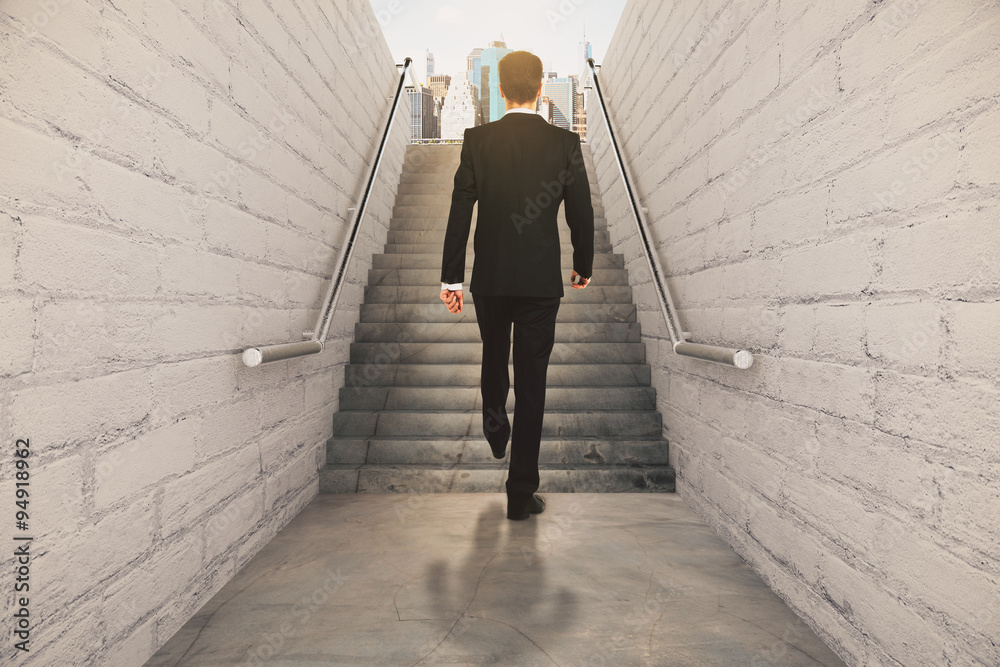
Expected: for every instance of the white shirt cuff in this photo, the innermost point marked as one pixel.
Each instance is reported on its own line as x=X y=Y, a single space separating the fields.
x=451 y=286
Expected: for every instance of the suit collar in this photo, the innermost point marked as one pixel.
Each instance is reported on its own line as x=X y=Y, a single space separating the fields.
x=519 y=115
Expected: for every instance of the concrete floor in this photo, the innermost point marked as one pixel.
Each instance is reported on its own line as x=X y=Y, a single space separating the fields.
x=424 y=579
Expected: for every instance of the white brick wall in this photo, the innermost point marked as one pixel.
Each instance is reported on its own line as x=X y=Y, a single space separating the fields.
x=174 y=187
x=822 y=183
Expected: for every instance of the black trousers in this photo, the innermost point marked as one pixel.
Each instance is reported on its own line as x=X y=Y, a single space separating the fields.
x=534 y=320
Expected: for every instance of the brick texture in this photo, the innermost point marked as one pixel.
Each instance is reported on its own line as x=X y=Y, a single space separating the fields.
x=174 y=188
x=821 y=183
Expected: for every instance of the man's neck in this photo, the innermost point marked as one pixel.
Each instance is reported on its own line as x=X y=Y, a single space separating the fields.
x=529 y=107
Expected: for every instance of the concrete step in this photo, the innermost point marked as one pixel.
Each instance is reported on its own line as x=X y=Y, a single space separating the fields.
x=415 y=277
x=432 y=210
x=463 y=398
x=430 y=248
x=554 y=450
x=419 y=312
x=435 y=190
x=444 y=199
x=408 y=178
x=468 y=332
x=447 y=178
x=452 y=423
x=610 y=261
x=468 y=375
x=471 y=478
x=432 y=294
x=436 y=236
x=440 y=223
x=422 y=352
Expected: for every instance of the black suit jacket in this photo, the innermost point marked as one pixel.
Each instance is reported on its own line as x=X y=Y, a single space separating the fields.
x=519 y=168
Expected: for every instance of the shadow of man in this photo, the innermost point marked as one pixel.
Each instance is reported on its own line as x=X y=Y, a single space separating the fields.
x=497 y=595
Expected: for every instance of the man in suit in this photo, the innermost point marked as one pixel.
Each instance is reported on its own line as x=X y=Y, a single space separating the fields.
x=519 y=168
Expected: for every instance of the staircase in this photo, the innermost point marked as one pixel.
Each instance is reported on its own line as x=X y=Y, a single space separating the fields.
x=410 y=414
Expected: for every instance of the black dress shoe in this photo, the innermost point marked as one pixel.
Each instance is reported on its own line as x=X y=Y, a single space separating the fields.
x=519 y=512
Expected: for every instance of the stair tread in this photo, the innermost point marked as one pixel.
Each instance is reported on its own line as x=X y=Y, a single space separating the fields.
x=477 y=411
x=489 y=466
x=583 y=439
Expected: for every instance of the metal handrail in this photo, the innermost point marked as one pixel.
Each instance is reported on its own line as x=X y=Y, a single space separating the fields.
x=256 y=356
x=741 y=359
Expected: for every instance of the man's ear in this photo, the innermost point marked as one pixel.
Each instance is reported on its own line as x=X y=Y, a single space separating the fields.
x=501 y=91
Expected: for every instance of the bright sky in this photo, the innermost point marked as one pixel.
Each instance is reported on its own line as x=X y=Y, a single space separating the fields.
x=551 y=29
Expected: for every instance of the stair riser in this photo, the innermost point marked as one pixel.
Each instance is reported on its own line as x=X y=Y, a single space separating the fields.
x=468 y=332
x=433 y=261
x=431 y=248
x=469 y=375
x=422 y=178
x=419 y=196
x=450 y=166
x=470 y=398
x=439 y=224
x=379 y=480
x=445 y=189
x=455 y=424
x=420 y=277
x=568 y=312
x=437 y=236
x=432 y=294
x=443 y=209
x=446 y=453
x=470 y=353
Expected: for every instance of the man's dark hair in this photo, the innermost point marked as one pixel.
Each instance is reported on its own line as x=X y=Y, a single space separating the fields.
x=520 y=75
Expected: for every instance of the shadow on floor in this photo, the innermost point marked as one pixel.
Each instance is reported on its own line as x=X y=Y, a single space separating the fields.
x=426 y=579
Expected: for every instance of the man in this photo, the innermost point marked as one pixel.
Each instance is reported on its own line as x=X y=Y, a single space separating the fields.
x=519 y=168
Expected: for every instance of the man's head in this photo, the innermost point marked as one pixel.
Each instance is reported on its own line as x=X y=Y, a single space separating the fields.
x=520 y=77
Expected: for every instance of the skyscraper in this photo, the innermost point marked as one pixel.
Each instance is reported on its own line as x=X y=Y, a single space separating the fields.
x=461 y=108
x=422 y=123
x=586 y=52
x=579 y=124
x=430 y=65
x=439 y=83
x=583 y=90
x=561 y=92
x=492 y=104
x=474 y=61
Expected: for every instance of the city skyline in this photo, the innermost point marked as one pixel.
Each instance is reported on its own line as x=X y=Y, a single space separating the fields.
x=550 y=30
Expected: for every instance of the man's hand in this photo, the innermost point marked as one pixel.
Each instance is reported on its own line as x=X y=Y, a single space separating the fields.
x=452 y=299
x=574 y=276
